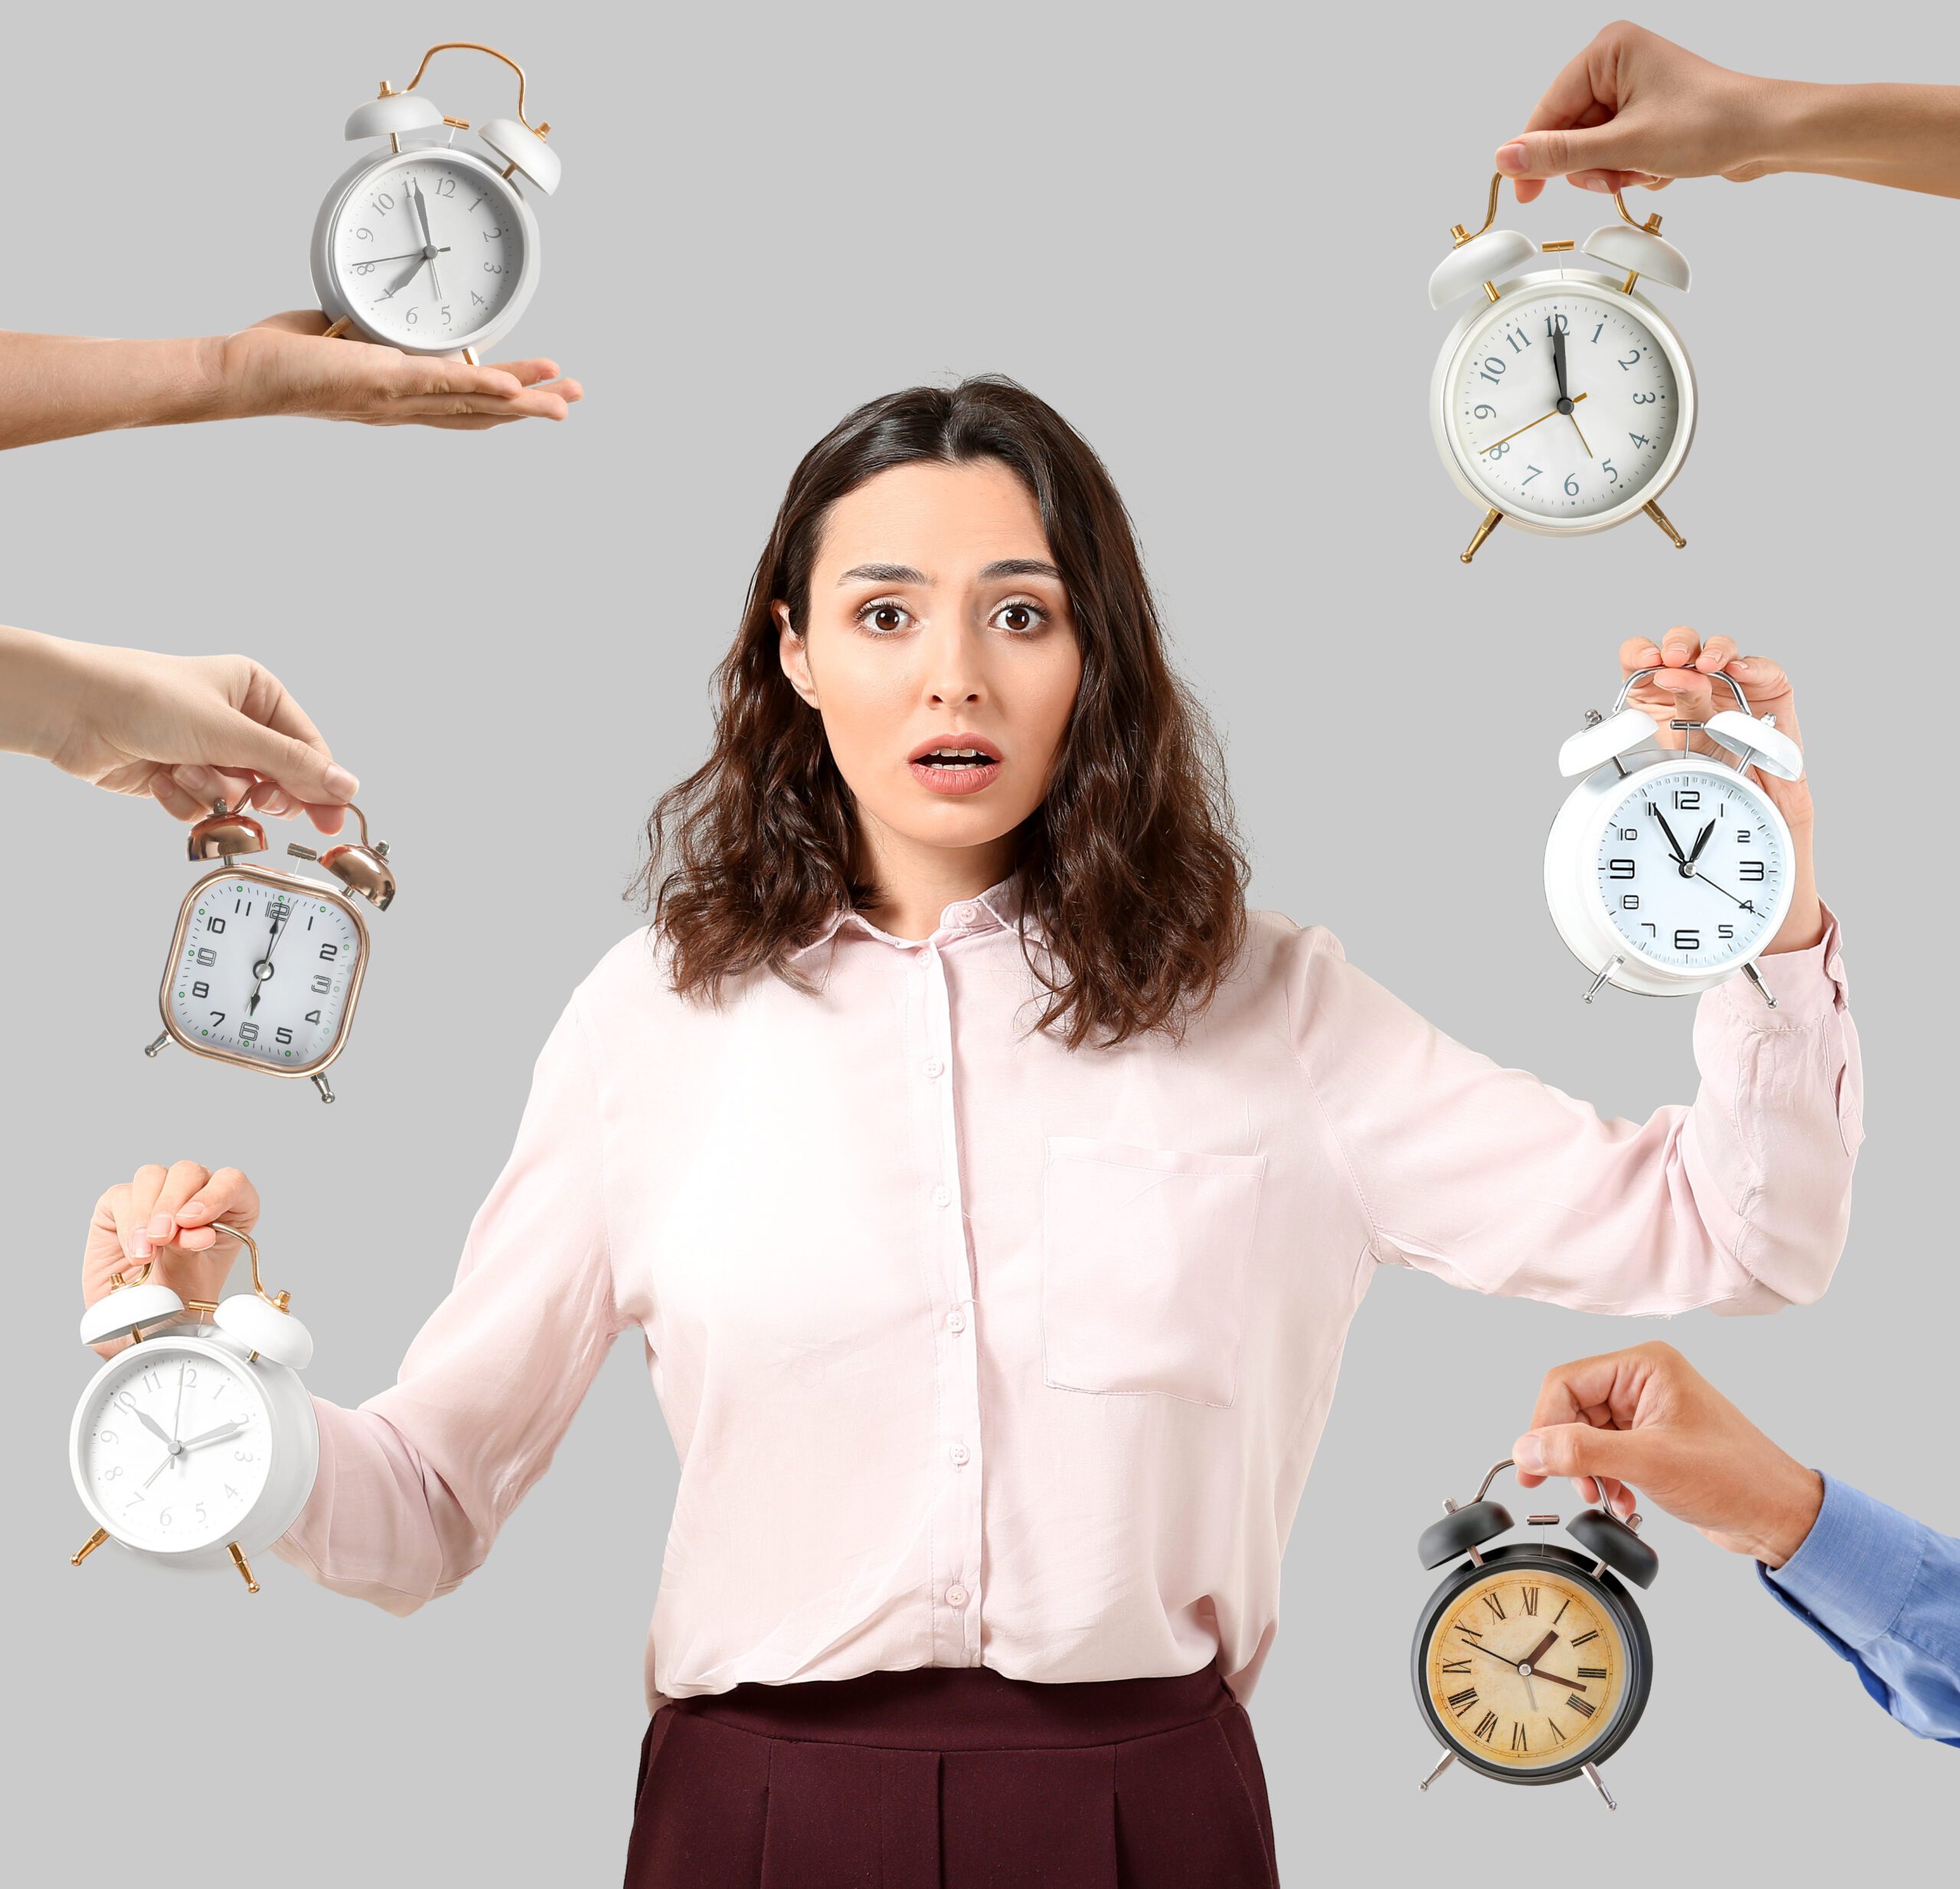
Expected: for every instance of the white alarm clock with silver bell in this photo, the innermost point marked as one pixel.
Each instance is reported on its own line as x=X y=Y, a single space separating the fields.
x=196 y=1445
x=425 y=246
x=1669 y=876
x=1562 y=402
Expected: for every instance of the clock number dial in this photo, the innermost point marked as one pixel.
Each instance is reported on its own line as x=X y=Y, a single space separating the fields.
x=1512 y=1719
x=1718 y=911
x=271 y=988
x=1502 y=405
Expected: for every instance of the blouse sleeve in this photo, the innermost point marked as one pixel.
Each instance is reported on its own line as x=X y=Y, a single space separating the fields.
x=1491 y=1179
x=415 y=1482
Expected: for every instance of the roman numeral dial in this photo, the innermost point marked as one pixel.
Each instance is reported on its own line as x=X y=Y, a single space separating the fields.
x=1525 y=1669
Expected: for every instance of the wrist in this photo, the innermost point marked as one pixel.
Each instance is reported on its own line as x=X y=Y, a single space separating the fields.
x=1791 y=1513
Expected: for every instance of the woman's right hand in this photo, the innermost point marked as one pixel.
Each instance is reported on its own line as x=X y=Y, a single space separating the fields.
x=169 y=1216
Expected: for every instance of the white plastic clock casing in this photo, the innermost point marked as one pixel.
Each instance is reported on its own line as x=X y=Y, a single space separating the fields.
x=1449 y=364
x=1571 y=885
x=326 y=284
x=295 y=1444
x=285 y=881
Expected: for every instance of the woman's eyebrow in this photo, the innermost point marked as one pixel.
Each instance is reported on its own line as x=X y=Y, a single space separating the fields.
x=1019 y=567
x=882 y=574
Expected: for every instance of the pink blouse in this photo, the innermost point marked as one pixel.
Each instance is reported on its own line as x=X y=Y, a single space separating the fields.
x=975 y=1351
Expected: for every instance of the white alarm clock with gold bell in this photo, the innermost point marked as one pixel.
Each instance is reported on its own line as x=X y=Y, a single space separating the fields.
x=426 y=246
x=196 y=1445
x=1562 y=402
x=265 y=967
x=1672 y=875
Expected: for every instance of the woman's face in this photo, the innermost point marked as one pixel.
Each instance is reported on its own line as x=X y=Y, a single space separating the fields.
x=937 y=619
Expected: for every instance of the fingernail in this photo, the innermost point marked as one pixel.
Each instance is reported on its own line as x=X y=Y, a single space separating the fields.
x=160 y=1224
x=1740 y=666
x=339 y=781
x=1511 y=156
x=191 y=1209
x=197 y=780
x=1650 y=654
x=139 y=1245
x=1529 y=1454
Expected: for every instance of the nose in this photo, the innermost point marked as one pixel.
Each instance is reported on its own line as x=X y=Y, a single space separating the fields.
x=953 y=671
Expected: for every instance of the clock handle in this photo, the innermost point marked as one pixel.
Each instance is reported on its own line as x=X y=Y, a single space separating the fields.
x=476 y=46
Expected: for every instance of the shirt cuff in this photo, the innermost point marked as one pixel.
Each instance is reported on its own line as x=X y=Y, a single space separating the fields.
x=1855 y=1568
x=1806 y=984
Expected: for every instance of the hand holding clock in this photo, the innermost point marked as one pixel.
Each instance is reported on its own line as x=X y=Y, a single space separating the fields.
x=188 y=730
x=1684 y=689
x=1647 y=1416
x=166 y=1216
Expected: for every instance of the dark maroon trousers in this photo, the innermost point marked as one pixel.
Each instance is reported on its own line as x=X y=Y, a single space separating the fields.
x=954 y=1777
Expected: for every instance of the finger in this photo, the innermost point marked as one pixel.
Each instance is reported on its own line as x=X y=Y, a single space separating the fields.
x=145 y=1185
x=535 y=403
x=528 y=372
x=302 y=770
x=172 y=798
x=327 y=819
x=1638 y=652
x=1716 y=653
x=446 y=375
x=1680 y=646
x=226 y=1196
x=1764 y=680
x=111 y=1232
x=1561 y=151
x=1583 y=1449
x=297 y=321
x=183 y=1180
x=209 y=785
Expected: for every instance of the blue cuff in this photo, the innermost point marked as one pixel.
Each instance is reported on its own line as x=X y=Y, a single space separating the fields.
x=1856 y=1567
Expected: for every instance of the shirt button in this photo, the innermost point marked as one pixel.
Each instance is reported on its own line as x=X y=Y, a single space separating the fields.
x=934 y=1067
x=942 y=1195
x=959 y=1453
x=956 y=1321
x=955 y=1596
x=959 y=914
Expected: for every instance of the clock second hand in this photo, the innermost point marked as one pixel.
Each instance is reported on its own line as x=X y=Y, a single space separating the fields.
x=1539 y=421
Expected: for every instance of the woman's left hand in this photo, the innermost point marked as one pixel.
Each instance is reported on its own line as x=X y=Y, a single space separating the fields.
x=1685 y=689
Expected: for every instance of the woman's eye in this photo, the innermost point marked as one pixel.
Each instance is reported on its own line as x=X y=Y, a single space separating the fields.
x=885 y=617
x=1020 y=617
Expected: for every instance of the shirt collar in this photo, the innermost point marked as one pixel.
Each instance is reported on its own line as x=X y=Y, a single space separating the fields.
x=1001 y=907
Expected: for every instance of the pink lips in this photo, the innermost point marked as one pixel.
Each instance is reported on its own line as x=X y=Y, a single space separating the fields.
x=955 y=780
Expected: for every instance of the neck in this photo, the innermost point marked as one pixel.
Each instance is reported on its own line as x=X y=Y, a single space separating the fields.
x=915 y=882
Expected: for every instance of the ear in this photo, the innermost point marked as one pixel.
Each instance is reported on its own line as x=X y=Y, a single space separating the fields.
x=793 y=651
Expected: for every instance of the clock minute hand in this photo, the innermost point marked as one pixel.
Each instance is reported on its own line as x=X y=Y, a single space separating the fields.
x=217 y=1434
x=429 y=241
x=1539 y=421
x=263 y=968
x=1558 y=364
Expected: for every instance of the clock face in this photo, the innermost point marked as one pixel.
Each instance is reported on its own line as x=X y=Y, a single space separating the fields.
x=175 y=1447
x=1525 y=1668
x=1502 y=404
x=381 y=236
x=263 y=972
x=1721 y=908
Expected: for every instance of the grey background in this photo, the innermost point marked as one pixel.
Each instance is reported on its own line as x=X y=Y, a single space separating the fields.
x=1203 y=233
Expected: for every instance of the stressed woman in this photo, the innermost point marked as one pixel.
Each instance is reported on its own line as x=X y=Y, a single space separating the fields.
x=991 y=1192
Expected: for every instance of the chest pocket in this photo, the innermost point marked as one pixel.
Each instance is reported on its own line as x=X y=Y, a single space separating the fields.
x=1145 y=1257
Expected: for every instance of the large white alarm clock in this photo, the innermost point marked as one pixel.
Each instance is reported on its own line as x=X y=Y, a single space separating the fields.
x=424 y=246
x=197 y=1445
x=1562 y=402
x=1668 y=876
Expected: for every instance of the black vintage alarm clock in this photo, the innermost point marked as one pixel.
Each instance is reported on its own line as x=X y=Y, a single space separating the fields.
x=1531 y=1663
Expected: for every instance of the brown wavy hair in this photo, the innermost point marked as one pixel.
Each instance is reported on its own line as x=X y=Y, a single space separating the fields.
x=1130 y=863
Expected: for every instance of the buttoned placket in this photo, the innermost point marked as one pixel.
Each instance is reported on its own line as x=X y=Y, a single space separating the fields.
x=955 y=1573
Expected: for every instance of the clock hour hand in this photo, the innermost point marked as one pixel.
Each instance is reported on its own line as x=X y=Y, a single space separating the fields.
x=263 y=968
x=1701 y=840
x=1558 y=366
x=428 y=241
x=1538 y=1651
x=156 y=1429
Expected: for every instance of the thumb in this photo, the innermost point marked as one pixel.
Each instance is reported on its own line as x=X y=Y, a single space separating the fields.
x=1583 y=1449
x=306 y=773
x=1613 y=146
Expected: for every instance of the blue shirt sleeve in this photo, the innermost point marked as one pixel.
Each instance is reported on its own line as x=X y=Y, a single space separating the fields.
x=1883 y=1590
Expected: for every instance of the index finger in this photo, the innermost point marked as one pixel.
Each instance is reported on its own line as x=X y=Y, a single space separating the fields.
x=1571 y=101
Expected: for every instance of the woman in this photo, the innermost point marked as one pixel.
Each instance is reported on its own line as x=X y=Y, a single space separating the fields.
x=993 y=1192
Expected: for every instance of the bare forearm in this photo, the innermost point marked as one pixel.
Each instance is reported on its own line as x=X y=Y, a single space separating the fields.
x=53 y=387
x=1906 y=135
x=40 y=687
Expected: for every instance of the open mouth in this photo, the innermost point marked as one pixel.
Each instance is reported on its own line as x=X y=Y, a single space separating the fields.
x=956 y=757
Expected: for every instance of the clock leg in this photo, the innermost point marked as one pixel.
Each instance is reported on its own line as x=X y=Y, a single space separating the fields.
x=88 y=1548
x=1592 y=988
x=1492 y=519
x=469 y=355
x=151 y=1049
x=1442 y=1764
x=1755 y=978
x=1660 y=517
x=325 y=1088
x=339 y=328
x=245 y=1568
x=1592 y=1771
